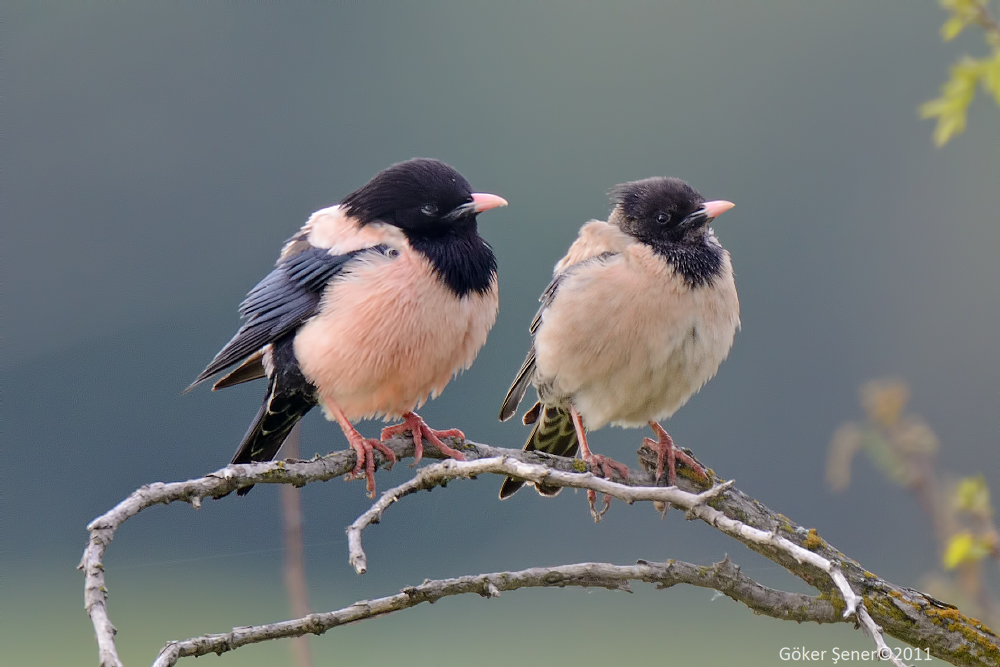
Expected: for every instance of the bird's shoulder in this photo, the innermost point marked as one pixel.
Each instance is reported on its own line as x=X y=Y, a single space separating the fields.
x=641 y=275
x=595 y=238
x=332 y=229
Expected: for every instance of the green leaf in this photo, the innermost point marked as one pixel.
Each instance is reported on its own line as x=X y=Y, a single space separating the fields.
x=991 y=76
x=949 y=126
x=965 y=8
x=964 y=548
x=959 y=6
x=936 y=107
x=956 y=96
x=973 y=495
x=953 y=27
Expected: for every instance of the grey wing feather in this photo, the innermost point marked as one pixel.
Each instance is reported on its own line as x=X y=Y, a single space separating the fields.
x=546 y=299
x=281 y=302
x=520 y=386
x=524 y=376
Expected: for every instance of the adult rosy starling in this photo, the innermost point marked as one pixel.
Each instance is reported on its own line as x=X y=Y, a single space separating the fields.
x=372 y=307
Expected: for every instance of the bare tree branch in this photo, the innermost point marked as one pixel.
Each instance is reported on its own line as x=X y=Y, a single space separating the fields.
x=695 y=505
x=723 y=576
x=440 y=473
x=904 y=613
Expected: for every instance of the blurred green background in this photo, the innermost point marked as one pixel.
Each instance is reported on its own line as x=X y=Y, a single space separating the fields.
x=157 y=154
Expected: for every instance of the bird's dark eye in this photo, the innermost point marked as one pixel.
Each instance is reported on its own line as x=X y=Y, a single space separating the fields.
x=429 y=209
x=663 y=218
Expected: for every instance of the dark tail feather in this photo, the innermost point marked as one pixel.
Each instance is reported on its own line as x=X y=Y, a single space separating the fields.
x=283 y=407
x=249 y=370
x=554 y=434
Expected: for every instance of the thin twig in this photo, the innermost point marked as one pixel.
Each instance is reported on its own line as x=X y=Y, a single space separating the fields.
x=439 y=474
x=875 y=632
x=694 y=504
x=987 y=21
x=723 y=576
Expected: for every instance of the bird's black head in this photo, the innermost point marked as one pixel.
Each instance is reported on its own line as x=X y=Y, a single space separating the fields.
x=673 y=218
x=436 y=209
x=423 y=197
x=659 y=209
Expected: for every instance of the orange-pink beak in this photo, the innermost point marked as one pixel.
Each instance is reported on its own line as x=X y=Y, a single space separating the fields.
x=484 y=202
x=714 y=209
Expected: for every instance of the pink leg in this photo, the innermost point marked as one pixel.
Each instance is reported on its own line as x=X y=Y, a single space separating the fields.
x=596 y=461
x=363 y=446
x=665 y=451
x=606 y=464
x=415 y=424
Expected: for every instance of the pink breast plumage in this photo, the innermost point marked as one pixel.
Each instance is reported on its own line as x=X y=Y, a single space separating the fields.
x=390 y=335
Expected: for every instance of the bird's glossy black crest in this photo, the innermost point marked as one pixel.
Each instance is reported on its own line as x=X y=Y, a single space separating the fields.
x=398 y=195
x=428 y=200
x=662 y=213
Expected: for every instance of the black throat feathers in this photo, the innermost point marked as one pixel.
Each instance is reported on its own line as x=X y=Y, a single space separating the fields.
x=460 y=257
x=700 y=263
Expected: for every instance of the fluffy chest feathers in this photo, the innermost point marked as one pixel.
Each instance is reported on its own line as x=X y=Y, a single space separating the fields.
x=628 y=338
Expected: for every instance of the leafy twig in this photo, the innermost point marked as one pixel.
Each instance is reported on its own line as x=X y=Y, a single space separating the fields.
x=957 y=93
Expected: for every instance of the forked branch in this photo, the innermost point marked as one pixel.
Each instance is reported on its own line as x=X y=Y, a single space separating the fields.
x=903 y=613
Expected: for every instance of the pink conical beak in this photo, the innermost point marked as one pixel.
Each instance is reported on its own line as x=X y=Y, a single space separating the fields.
x=484 y=202
x=714 y=209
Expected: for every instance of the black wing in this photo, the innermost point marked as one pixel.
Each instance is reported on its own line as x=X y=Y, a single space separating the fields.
x=282 y=301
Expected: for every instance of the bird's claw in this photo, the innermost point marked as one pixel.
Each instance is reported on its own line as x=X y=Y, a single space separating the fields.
x=366 y=460
x=594 y=512
x=419 y=429
x=606 y=465
x=667 y=453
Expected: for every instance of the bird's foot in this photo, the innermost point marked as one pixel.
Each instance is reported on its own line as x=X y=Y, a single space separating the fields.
x=415 y=424
x=366 y=458
x=667 y=453
x=594 y=512
x=606 y=465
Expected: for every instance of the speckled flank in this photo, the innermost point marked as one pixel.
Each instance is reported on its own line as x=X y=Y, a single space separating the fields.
x=390 y=334
x=596 y=237
x=651 y=343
